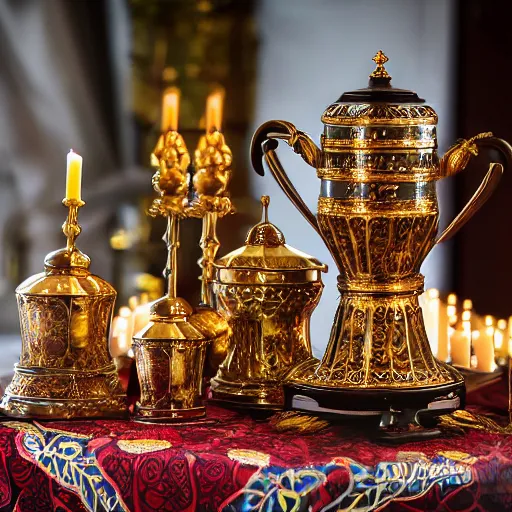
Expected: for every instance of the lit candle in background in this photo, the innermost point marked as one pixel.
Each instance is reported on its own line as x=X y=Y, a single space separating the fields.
x=141 y=314
x=214 y=106
x=467 y=306
x=443 y=341
x=74 y=176
x=431 y=318
x=452 y=309
x=501 y=340
x=460 y=344
x=133 y=302
x=483 y=345
x=460 y=340
x=170 y=109
x=125 y=328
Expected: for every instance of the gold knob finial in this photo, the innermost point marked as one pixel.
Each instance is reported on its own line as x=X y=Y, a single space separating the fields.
x=265 y=201
x=380 y=71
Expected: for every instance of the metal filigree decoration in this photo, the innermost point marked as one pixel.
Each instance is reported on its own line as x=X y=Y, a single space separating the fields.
x=212 y=159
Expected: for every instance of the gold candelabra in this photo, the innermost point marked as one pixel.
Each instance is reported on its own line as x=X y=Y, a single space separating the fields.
x=170 y=350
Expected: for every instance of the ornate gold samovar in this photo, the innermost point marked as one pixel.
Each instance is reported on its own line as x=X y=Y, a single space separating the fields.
x=267 y=290
x=378 y=215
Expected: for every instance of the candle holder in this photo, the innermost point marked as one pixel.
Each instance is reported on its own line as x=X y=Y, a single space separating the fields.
x=213 y=159
x=170 y=350
x=65 y=369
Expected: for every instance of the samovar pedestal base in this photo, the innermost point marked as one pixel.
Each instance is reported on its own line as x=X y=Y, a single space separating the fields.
x=387 y=407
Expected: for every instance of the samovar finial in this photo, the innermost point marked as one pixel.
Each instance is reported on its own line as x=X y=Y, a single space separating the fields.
x=380 y=71
x=265 y=201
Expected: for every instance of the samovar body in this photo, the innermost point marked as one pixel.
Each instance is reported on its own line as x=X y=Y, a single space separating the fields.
x=378 y=215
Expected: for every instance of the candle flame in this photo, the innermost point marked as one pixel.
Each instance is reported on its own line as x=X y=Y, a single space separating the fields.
x=214 y=107
x=170 y=109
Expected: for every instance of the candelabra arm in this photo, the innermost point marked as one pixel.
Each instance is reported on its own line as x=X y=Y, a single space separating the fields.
x=172 y=239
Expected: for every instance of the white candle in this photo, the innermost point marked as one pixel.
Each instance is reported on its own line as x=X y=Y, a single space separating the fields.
x=443 y=343
x=124 y=337
x=460 y=344
x=483 y=345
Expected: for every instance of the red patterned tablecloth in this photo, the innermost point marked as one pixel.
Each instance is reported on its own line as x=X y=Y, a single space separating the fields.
x=238 y=463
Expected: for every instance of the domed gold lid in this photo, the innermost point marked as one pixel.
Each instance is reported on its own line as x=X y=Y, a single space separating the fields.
x=66 y=273
x=380 y=103
x=171 y=318
x=265 y=251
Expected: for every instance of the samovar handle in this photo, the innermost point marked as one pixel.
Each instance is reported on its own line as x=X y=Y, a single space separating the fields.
x=457 y=158
x=264 y=144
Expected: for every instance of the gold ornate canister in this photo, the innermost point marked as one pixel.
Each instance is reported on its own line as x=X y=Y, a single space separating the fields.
x=267 y=290
x=65 y=369
x=170 y=353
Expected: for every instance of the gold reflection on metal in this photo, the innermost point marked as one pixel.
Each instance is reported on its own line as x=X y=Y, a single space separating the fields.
x=267 y=291
x=65 y=370
x=380 y=238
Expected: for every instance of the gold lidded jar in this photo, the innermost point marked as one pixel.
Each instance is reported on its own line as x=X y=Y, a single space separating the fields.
x=267 y=291
x=170 y=353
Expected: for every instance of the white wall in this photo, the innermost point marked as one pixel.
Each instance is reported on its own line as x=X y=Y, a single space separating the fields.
x=313 y=50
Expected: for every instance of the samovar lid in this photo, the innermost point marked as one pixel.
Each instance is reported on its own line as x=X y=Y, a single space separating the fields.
x=266 y=249
x=379 y=103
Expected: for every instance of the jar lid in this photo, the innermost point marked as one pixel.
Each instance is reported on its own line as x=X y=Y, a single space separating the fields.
x=379 y=103
x=171 y=319
x=266 y=249
x=70 y=282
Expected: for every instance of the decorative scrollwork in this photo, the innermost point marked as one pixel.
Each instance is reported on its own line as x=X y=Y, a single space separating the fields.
x=171 y=159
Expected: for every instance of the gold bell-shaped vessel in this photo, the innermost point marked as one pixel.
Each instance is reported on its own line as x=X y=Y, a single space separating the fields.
x=267 y=290
x=65 y=369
